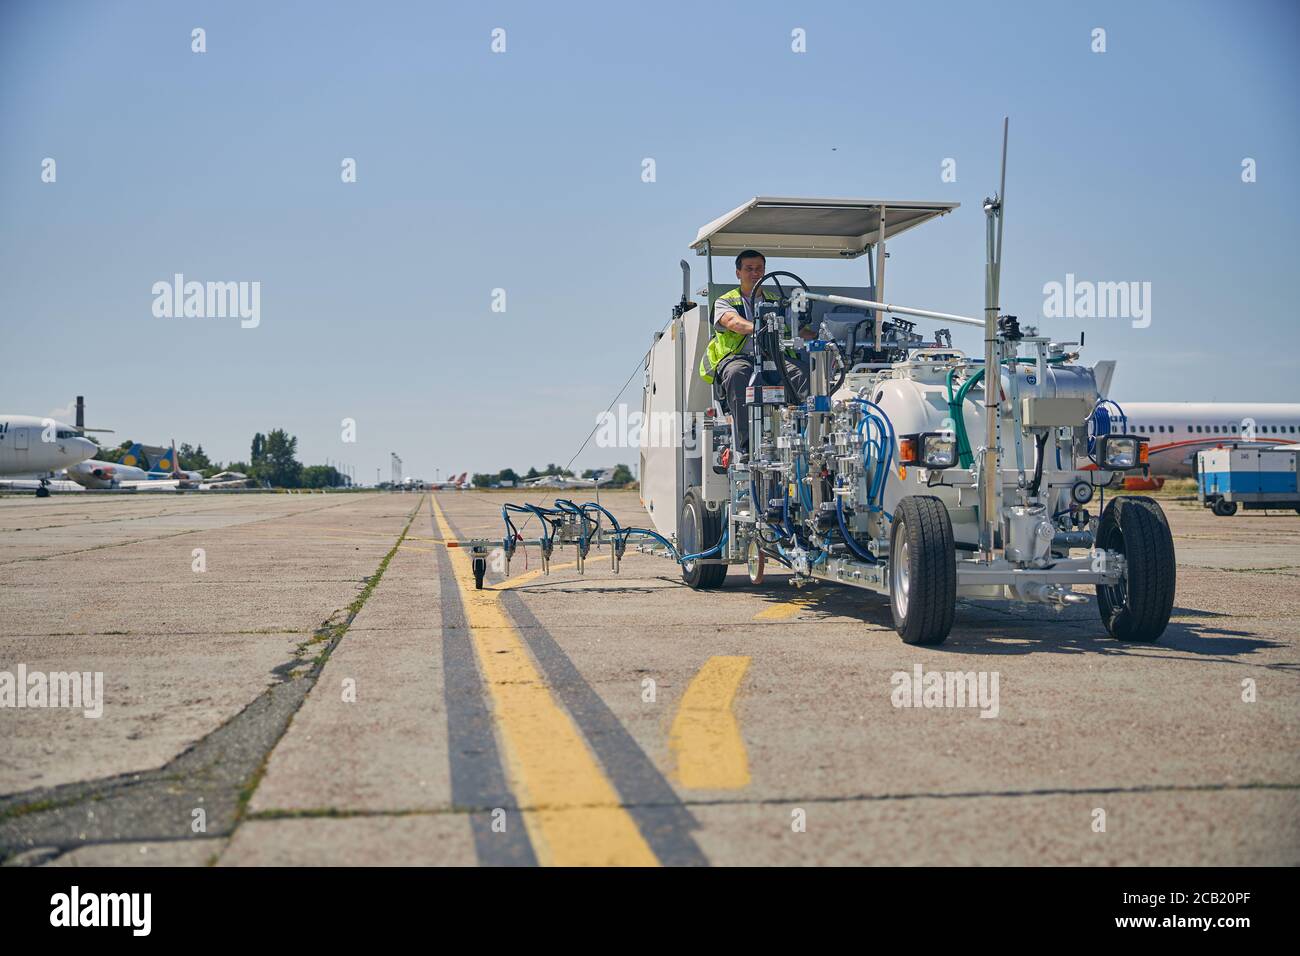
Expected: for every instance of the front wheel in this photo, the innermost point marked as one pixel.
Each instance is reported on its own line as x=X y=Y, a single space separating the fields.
x=922 y=571
x=1225 y=509
x=480 y=569
x=1137 y=608
x=699 y=530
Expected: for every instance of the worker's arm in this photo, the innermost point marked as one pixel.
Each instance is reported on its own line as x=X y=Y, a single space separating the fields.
x=726 y=317
x=731 y=320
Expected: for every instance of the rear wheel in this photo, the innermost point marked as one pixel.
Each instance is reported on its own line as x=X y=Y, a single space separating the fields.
x=1225 y=509
x=699 y=530
x=922 y=570
x=1137 y=608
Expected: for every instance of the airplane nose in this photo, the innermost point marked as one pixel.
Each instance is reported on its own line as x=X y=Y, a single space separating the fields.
x=85 y=447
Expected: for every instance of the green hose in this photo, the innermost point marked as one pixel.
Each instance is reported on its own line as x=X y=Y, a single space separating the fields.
x=958 y=402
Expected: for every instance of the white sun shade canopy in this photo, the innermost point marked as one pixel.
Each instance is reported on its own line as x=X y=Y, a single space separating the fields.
x=813 y=228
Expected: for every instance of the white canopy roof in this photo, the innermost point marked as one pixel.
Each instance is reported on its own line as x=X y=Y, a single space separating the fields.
x=813 y=228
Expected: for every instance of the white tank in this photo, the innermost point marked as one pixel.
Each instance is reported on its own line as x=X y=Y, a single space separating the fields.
x=916 y=400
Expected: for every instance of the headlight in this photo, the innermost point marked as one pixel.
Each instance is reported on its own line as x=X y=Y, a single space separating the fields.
x=1119 y=452
x=928 y=450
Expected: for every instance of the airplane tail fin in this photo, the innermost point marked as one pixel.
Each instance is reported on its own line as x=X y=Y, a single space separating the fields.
x=1105 y=371
x=166 y=463
x=135 y=457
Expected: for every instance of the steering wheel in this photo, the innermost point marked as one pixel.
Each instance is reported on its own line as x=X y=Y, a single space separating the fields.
x=784 y=299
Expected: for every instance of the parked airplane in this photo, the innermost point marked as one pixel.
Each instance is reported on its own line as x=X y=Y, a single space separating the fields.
x=228 y=479
x=106 y=474
x=162 y=463
x=563 y=481
x=1176 y=431
x=453 y=484
x=36 y=448
x=163 y=475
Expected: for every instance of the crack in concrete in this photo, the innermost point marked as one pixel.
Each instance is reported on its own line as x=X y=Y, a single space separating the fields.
x=217 y=774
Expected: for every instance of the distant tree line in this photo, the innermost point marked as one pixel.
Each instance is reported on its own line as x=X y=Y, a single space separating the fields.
x=621 y=478
x=273 y=460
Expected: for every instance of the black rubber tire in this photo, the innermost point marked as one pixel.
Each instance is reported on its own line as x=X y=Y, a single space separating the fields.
x=1225 y=509
x=42 y=491
x=699 y=529
x=921 y=544
x=480 y=569
x=1139 y=608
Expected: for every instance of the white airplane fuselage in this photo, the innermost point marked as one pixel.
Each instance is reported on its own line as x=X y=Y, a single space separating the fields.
x=39 y=447
x=105 y=474
x=1176 y=431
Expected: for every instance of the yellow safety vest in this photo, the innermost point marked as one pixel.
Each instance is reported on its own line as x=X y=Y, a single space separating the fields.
x=725 y=342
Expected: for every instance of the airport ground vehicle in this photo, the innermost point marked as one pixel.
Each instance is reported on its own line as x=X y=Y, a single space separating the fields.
x=1247 y=476
x=901 y=471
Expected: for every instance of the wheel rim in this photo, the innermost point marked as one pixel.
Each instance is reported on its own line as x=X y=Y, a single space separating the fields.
x=757 y=563
x=688 y=537
x=902 y=576
x=1117 y=593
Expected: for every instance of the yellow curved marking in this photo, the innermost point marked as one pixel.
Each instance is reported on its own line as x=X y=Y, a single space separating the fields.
x=527 y=576
x=574 y=815
x=785 y=610
x=705 y=736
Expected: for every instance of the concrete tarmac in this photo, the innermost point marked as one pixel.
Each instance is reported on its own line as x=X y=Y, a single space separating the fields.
x=313 y=679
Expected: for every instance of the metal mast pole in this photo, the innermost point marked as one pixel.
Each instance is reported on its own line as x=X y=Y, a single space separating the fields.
x=990 y=472
x=880 y=277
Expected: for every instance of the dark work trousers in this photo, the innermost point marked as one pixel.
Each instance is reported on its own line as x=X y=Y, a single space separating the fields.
x=734 y=372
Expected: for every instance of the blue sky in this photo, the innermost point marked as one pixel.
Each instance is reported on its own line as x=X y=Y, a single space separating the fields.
x=522 y=170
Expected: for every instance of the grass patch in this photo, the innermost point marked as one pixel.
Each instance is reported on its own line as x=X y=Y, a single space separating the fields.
x=328 y=634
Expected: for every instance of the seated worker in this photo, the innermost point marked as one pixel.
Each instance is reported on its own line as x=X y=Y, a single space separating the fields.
x=725 y=356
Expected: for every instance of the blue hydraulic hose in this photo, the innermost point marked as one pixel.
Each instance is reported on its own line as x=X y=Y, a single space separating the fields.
x=848 y=538
x=620 y=533
x=716 y=549
x=628 y=532
x=888 y=440
x=602 y=508
x=571 y=508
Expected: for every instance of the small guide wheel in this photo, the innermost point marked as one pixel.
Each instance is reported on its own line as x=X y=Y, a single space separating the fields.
x=480 y=568
x=757 y=562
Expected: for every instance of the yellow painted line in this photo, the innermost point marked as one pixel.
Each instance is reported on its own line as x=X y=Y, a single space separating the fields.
x=785 y=610
x=705 y=736
x=578 y=819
